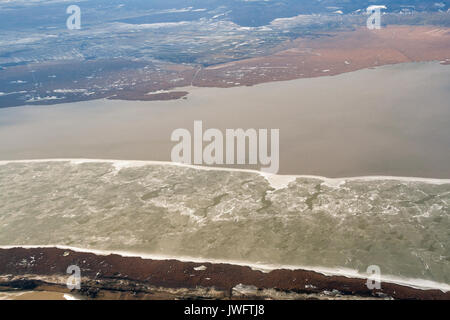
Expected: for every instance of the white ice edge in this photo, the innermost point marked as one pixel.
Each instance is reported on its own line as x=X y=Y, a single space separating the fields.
x=420 y=284
x=276 y=181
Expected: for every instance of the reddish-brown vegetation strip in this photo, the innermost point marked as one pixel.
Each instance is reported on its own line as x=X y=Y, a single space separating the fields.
x=176 y=274
x=334 y=54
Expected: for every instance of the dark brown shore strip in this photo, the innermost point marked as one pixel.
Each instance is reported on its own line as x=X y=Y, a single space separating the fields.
x=114 y=276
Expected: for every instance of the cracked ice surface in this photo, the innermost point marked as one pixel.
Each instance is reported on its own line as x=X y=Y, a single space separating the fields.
x=402 y=226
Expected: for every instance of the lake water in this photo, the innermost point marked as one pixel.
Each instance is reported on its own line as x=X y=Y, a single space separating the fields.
x=392 y=120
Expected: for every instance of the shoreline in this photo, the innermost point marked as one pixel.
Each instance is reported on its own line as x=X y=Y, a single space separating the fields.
x=115 y=276
x=344 y=52
x=419 y=284
x=189 y=89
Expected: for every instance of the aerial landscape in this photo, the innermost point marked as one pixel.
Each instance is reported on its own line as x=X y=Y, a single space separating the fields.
x=224 y=150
